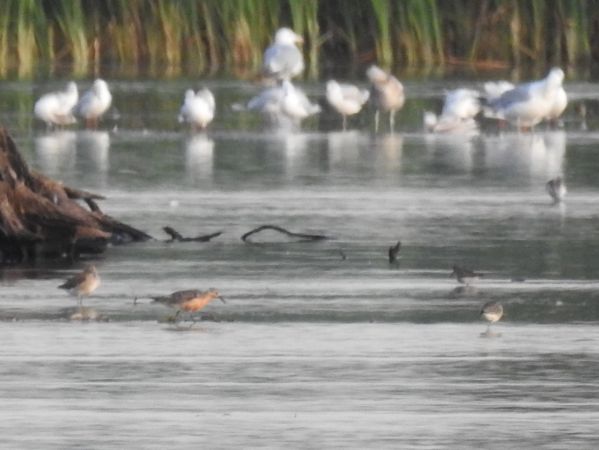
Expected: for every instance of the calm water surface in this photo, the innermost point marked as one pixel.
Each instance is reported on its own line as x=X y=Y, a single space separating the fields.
x=320 y=344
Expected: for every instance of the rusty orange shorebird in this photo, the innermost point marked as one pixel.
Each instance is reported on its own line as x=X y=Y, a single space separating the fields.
x=190 y=301
x=83 y=283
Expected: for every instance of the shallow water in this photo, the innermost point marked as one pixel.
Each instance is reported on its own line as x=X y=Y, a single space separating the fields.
x=320 y=344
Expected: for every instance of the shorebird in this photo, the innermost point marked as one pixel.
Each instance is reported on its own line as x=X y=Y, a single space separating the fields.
x=491 y=312
x=94 y=103
x=393 y=252
x=465 y=276
x=190 y=301
x=346 y=99
x=387 y=94
x=56 y=108
x=556 y=188
x=198 y=108
x=283 y=60
x=528 y=104
x=83 y=283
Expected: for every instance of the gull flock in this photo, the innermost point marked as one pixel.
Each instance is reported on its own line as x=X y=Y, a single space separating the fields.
x=285 y=105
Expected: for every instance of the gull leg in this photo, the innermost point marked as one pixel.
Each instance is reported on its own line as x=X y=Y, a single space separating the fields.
x=392 y=121
x=376 y=121
x=344 y=123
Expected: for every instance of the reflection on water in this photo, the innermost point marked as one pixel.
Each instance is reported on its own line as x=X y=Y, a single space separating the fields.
x=56 y=152
x=93 y=147
x=199 y=150
x=540 y=156
x=455 y=151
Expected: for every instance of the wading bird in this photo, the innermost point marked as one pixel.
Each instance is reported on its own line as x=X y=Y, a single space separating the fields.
x=190 y=301
x=83 y=283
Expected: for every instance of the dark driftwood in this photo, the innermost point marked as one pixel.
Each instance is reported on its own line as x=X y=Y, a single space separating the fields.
x=301 y=236
x=176 y=236
x=39 y=215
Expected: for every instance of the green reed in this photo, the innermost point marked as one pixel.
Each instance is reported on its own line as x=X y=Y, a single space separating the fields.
x=169 y=36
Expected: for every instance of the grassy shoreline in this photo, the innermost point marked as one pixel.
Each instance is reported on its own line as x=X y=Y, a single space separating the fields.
x=172 y=36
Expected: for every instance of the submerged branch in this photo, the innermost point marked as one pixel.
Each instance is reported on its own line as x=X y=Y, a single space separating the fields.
x=301 y=236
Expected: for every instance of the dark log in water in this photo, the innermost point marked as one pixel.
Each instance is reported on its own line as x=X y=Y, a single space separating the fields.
x=177 y=237
x=298 y=236
x=42 y=217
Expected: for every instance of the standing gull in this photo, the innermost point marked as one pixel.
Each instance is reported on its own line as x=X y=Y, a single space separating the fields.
x=284 y=106
x=283 y=60
x=460 y=108
x=94 y=103
x=528 y=104
x=56 y=108
x=198 y=108
x=347 y=99
x=387 y=93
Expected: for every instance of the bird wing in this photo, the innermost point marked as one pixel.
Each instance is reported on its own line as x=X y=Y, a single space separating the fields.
x=74 y=281
x=177 y=297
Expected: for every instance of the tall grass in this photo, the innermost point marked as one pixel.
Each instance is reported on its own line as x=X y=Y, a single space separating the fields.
x=170 y=36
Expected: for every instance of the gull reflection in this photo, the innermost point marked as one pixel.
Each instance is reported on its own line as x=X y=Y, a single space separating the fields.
x=389 y=150
x=537 y=155
x=94 y=146
x=199 y=150
x=345 y=147
x=56 y=151
x=451 y=150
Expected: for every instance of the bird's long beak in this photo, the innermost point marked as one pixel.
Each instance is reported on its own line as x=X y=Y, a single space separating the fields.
x=222 y=299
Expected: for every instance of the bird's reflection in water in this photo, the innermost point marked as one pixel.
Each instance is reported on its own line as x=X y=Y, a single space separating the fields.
x=537 y=155
x=455 y=151
x=56 y=152
x=199 y=152
x=344 y=149
x=94 y=146
x=294 y=147
x=389 y=150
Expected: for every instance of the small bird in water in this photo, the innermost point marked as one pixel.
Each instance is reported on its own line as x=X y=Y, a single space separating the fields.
x=394 y=252
x=465 y=276
x=491 y=312
x=190 y=301
x=83 y=283
x=556 y=188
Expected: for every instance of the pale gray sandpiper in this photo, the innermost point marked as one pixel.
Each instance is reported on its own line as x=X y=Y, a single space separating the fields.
x=83 y=283
x=491 y=311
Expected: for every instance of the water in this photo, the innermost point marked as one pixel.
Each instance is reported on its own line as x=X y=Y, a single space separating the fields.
x=320 y=344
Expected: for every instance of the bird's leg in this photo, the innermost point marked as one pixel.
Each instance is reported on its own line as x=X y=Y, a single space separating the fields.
x=376 y=121
x=392 y=121
x=344 y=123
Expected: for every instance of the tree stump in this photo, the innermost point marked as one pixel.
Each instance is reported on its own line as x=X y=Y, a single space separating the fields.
x=42 y=217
